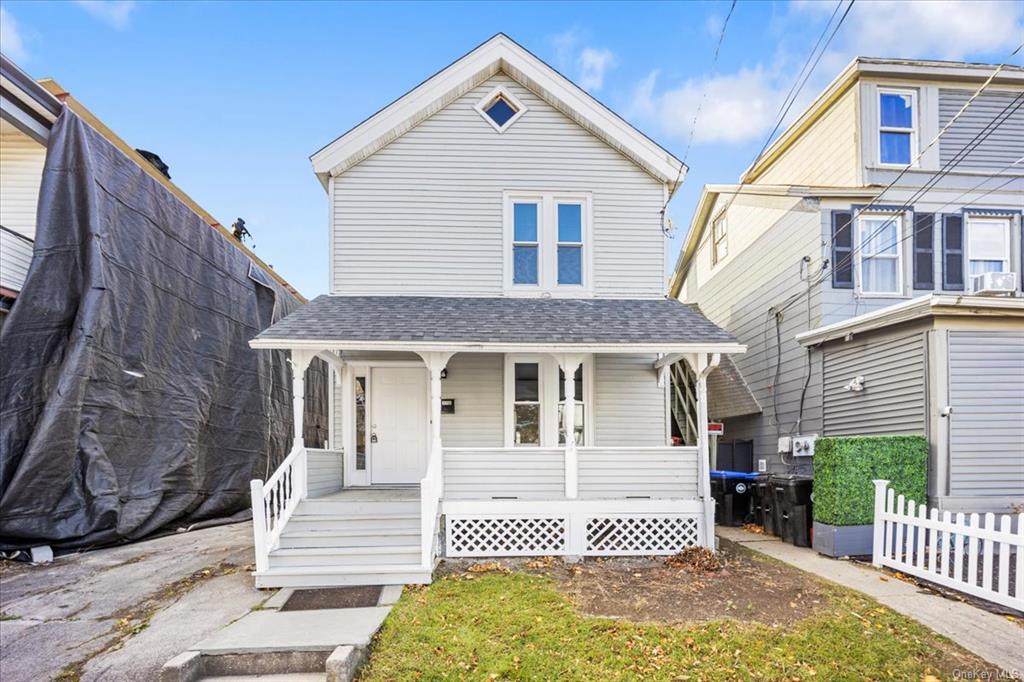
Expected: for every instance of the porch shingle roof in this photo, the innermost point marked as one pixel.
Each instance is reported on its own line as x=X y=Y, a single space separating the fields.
x=497 y=320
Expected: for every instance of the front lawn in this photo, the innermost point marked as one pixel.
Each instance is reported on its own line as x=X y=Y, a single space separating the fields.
x=501 y=625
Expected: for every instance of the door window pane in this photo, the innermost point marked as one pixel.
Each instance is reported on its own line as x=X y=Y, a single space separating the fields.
x=360 y=401
x=527 y=424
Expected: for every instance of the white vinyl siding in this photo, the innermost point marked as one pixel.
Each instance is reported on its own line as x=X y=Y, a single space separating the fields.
x=475 y=382
x=894 y=396
x=986 y=376
x=21 y=172
x=15 y=258
x=629 y=405
x=1001 y=148
x=424 y=215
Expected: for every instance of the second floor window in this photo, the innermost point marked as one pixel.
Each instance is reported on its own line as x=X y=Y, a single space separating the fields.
x=547 y=243
x=720 y=235
x=897 y=131
x=878 y=238
x=988 y=245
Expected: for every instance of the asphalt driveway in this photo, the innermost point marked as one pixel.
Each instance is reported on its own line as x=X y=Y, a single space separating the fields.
x=120 y=613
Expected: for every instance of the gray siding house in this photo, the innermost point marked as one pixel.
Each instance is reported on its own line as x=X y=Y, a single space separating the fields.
x=500 y=338
x=893 y=186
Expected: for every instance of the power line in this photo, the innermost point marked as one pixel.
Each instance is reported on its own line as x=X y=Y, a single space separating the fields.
x=704 y=94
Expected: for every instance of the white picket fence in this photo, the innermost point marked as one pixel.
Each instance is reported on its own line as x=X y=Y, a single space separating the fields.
x=947 y=550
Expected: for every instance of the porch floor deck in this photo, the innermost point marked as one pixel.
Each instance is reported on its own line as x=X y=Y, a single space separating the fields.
x=375 y=494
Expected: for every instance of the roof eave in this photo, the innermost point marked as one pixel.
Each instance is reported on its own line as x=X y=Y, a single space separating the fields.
x=930 y=305
x=723 y=347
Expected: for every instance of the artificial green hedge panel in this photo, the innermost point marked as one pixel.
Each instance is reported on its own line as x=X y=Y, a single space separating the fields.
x=844 y=468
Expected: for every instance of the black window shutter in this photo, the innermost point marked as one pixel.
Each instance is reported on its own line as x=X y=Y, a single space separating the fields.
x=842 y=250
x=953 y=253
x=924 y=251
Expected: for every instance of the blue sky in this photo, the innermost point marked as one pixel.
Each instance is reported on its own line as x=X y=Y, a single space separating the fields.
x=236 y=96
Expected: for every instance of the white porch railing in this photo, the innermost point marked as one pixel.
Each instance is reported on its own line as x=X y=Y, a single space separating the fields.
x=275 y=501
x=547 y=473
x=948 y=550
x=431 y=488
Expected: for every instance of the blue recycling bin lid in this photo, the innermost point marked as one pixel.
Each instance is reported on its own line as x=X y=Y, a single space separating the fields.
x=740 y=475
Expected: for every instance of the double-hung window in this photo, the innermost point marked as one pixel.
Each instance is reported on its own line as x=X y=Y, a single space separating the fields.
x=579 y=412
x=525 y=243
x=527 y=403
x=988 y=245
x=879 y=254
x=720 y=237
x=547 y=239
x=897 y=128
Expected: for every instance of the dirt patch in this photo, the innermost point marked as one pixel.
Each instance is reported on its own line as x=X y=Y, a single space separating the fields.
x=746 y=587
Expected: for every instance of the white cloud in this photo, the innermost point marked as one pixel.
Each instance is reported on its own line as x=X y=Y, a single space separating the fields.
x=564 y=44
x=117 y=13
x=10 y=37
x=939 y=29
x=738 y=107
x=593 y=62
x=743 y=106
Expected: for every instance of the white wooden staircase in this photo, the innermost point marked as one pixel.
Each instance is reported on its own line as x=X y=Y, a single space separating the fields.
x=354 y=537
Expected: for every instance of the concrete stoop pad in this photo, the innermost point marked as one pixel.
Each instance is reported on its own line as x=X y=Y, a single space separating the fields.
x=270 y=642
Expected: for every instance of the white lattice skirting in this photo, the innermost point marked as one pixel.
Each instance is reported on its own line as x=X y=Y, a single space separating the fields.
x=570 y=534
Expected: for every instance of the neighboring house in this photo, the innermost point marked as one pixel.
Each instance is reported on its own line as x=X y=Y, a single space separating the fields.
x=129 y=398
x=814 y=242
x=497 y=282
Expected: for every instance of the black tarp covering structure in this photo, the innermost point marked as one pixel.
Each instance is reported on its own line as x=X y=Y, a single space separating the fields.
x=130 y=401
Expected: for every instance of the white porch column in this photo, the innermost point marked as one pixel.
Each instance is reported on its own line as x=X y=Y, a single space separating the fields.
x=569 y=363
x=702 y=365
x=435 y=362
x=299 y=361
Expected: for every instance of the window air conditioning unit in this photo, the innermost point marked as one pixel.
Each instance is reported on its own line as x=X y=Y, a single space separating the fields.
x=995 y=283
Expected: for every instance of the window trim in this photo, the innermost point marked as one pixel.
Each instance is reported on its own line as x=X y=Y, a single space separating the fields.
x=858 y=246
x=717 y=257
x=547 y=243
x=504 y=93
x=914 y=120
x=1007 y=222
x=549 y=402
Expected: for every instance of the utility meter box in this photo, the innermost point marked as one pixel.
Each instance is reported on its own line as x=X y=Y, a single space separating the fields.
x=803 y=446
x=785 y=445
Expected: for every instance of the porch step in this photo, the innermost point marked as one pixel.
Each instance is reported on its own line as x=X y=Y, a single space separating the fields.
x=312 y=577
x=357 y=507
x=351 y=538
x=309 y=557
x=343 y=522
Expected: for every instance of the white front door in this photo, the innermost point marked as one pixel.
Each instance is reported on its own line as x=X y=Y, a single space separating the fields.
x=398 y=434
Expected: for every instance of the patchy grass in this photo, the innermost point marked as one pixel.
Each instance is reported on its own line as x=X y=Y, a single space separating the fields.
x=501 y=625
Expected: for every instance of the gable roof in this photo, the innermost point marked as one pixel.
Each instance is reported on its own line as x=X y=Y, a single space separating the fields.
x=499 y=54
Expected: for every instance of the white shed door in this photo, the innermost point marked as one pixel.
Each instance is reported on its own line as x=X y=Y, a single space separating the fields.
x=398 y=434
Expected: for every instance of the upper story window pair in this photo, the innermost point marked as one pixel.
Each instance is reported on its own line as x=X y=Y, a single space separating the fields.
x=548 y=243
x=897 y=126
x=868 y=250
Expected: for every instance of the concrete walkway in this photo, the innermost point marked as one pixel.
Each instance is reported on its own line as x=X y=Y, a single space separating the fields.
x=985 y=634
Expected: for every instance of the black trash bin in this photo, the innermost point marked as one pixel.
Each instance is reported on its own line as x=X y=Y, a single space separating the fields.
x=732 y=493
x=792 y=508
x=760 y=500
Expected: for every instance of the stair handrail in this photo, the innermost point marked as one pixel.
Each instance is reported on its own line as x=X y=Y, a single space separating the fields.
x=431 y=489
x=274 y=502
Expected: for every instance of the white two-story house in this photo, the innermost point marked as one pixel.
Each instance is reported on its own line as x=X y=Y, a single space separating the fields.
x=871 y=259
x=500 y=337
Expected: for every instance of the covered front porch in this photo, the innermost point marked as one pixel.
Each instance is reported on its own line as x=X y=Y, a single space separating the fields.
x=465 y=441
